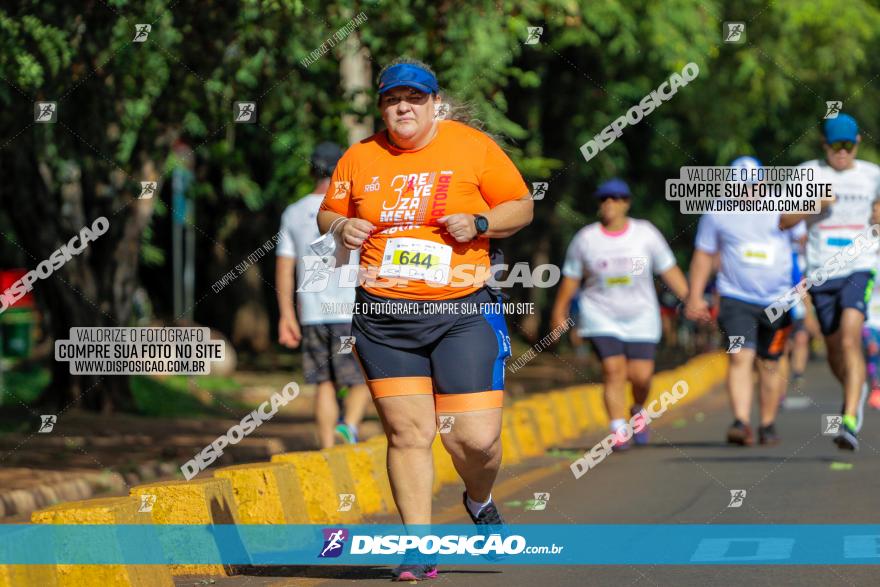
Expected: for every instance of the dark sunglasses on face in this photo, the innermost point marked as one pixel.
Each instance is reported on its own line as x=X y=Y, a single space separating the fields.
x=845 y=145
x=614 y=197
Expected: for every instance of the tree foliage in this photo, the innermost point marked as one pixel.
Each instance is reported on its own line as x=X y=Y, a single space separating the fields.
x=122 y=105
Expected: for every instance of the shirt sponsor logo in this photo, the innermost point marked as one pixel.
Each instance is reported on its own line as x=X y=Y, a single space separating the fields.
x=342 y=188
x=373 y=186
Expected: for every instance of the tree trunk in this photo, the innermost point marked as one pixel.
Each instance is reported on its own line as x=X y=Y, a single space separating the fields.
x=95 y=287
x=356 y=72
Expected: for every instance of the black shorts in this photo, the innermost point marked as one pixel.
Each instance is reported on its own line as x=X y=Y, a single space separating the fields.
x=830 y=298
x=325 y=356
x=750 y=322
x=454 y=350
x=609 y=346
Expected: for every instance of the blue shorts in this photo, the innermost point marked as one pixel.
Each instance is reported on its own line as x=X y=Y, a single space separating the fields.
x=457 y=355
x=609 y=346
x=833 y=296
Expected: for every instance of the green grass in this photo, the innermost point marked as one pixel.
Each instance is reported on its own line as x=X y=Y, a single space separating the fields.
x=173 y=396
x=24 y=386
x=158 y=398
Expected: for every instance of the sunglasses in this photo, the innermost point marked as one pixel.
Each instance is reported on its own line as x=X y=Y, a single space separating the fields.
x=614 y=197
x=845 y=145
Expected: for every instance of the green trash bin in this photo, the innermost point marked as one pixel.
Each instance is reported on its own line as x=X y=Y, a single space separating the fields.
x=17 y=325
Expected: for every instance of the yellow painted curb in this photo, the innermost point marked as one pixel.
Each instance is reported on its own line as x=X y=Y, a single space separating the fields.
x=266 y=493
x=568 y=428
x=378 y=455
x=525 y=429
x=545 y=417
x=318 y=484
x=579 y=409
x=359 y=468
x=594 y=396
x=24 y=575
x=444 y=470
x=198 y=501
x=510 y=451
x=109 y=510
x=27 y=576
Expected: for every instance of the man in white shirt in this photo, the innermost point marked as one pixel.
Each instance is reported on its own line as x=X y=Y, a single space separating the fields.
x=841 y=299
x=755 y=269
x=324 y=324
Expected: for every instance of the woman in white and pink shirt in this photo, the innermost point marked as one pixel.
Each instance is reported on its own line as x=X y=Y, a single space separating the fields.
x=617 y=259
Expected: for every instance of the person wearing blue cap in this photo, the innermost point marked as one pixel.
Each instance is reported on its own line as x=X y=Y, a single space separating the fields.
x=617 y=259
x=421 y=200
x=754 y=270
x=840 y=300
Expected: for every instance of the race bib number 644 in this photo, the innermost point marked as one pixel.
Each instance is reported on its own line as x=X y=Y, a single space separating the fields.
x=414 y=258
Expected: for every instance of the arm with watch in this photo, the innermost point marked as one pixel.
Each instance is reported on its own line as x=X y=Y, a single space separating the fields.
x=502 y=221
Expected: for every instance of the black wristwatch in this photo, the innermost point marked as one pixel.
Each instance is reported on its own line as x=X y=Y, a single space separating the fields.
x=481 y=223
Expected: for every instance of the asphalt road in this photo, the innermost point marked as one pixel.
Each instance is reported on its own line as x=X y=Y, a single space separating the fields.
x=684 y=477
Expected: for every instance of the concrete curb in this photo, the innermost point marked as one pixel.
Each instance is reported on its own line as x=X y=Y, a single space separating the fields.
x=109 y=510
x=199 y=501
x=303 y=487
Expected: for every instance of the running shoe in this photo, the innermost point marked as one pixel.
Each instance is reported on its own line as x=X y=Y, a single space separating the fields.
x=348 y=433
x=874 y=399
x=489 y=516
x=860 y=407
x=642 y=437
x=414 y=572
x=846 y=438
x=740 y=433
x=621 y=445
x=767 y=435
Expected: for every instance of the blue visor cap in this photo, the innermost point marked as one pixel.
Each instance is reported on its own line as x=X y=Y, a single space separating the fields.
x=613 y=188
x=842 y=128
x=409 y=75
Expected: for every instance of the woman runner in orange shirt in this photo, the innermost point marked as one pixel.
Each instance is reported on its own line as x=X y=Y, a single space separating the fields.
x=421 y=200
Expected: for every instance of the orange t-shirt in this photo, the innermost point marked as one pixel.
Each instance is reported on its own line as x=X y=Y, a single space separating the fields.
x=403 y=193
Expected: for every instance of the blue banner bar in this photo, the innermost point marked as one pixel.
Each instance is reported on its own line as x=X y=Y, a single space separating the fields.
x=523 y=544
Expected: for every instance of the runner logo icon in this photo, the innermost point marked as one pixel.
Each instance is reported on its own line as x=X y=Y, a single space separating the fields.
x=539 y=188
x=346 y=500
x=147 y=503
x=148 y=188
x=334 y=540
x=346 y=343
x=245 y=112
x=833 y=108
x=639 y=265
x=736 y=343
x=539 y=503
x=47 y=423
x=733 y=32
x=535 y=33
x=831 y=424
x=341 y=189
x=446 y=423
x=141 y=32
x=45 y=112
x=736 y=498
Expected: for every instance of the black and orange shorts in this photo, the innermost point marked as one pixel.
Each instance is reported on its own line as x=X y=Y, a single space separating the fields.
x=739 y=318
x=454 y=350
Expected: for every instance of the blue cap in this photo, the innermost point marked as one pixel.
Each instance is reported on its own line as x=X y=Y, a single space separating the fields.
x=748 y=163
x=842 y=128
x=613 y=188
x=409 y=75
